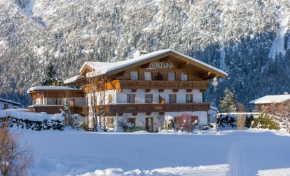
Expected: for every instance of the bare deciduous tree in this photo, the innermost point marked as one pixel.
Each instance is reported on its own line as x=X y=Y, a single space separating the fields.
x=15 y=157
x=241 y=121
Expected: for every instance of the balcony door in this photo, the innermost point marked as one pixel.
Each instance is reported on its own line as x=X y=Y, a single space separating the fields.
x=149 y=124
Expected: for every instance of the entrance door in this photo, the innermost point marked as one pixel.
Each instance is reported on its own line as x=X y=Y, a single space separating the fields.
x=149 y=124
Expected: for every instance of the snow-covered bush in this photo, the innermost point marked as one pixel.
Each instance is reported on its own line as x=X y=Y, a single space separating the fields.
x=33 y=124
x=125 y=125
x=186 y=122
x=226 y=121
x=36 y=125
x=230 y=120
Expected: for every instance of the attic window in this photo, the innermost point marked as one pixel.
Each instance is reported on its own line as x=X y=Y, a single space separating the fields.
x=134 y=75
x=184 y=77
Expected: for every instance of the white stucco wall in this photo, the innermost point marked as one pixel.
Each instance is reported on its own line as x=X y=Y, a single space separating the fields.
x=140 y=95
x=2 y=104
x=140 y=120
x=202 y=116
x=103 y=95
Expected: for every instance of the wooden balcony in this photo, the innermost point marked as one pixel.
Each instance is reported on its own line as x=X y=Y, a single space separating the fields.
x=56 y=109
x=112 y=110
x=82 y=110
x=138 y=84
x=141 y=84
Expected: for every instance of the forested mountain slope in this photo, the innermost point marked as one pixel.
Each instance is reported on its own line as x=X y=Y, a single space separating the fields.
x=249 y=39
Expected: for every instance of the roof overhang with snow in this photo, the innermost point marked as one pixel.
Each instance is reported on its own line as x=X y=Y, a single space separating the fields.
x=269 y=99
x=92 y=69
x=51 y=88
x=10 y=101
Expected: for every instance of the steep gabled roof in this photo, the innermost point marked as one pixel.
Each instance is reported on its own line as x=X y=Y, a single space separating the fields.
x=100 y=68
x=271 y=99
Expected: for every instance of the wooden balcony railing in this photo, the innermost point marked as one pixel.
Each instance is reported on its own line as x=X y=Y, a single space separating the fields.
x=149 y=108
x=138 y=84
x=141 y=84
x=56 y=109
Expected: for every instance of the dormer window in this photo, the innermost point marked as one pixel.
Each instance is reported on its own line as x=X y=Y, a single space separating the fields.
x=134 y=75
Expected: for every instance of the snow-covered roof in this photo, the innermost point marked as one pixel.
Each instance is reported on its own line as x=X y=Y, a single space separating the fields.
x=271 y=99
x=40 y=88
x=106 y=67
x=72 y=79
x=10 y=101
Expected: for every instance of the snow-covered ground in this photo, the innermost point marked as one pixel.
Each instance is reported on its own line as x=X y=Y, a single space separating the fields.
x=230 y=152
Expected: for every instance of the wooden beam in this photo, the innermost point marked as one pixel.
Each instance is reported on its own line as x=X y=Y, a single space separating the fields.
x=147 y=90
x=134 y=90
x=161 y=90
x=202 y=90
x=181 y=66
x=188 y=90
x=161 y=113
x=134 y=114
x=175 y=90
x=148 y=113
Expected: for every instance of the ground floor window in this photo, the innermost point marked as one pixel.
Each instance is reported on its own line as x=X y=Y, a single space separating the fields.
x=54 y=101
x=110 y=122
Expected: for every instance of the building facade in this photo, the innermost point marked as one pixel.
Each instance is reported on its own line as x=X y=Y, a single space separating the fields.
x=149 y=91
x=273 y=104
x=53 y=99
x=8 y=104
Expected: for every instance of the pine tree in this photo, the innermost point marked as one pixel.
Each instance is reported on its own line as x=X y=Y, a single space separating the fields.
x=50 y=78
x=228 y=103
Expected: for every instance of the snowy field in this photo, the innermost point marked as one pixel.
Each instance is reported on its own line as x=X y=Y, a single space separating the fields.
x=252 y=152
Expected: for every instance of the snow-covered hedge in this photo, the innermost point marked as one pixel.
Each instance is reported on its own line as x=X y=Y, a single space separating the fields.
x=33 y=121
x=229 y=120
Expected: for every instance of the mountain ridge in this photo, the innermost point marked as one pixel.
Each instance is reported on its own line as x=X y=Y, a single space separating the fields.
x=238 y=37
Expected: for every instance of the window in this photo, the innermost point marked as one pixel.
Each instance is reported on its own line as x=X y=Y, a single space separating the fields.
x=189 y=98
x=6 y=106
x=110 y=99
x=171 y=76
x=110 y=122
x=172 y=98
x=147 y=76
x=132 y=120
x=183 y=77
x=50 y=101
x=148 y=98
x=134 y=75
x=58 y=101
x=131 y=98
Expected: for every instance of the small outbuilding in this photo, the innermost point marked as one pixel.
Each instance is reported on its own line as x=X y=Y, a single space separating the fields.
x=8 y=104
x=272 y=104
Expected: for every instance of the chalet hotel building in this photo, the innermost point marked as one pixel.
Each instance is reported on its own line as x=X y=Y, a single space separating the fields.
x=148 y=91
